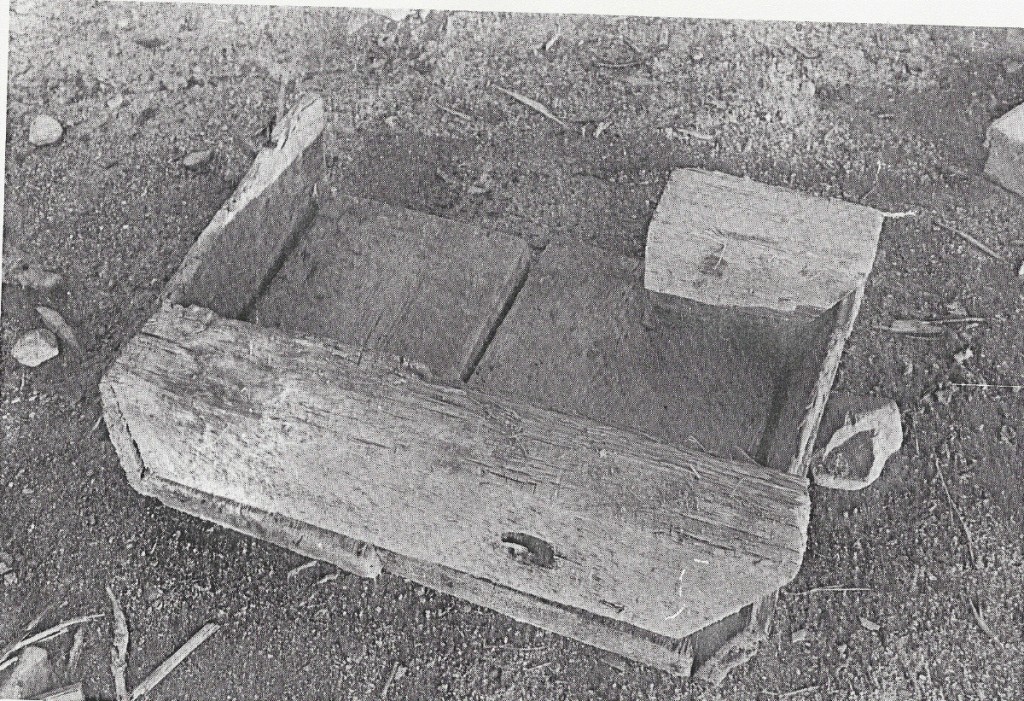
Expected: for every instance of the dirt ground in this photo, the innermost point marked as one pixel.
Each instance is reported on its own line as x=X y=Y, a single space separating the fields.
x=893 y=117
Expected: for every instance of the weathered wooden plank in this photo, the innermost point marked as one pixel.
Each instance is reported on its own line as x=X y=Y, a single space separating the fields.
x=398 y=281
x=1005 y=141
x=729 y=241
x=673 y=656
x=237 y=252
x=357 y=444
x=582 y=339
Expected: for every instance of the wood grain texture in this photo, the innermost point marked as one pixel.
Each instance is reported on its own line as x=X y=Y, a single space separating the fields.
x=729 y=241
x=1005 y=141
x=378 y=277
x=357 y=444
x=582 y=339
x=239 y=249
x=670 y=655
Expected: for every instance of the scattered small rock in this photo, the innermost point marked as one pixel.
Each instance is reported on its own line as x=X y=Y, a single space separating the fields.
x=800 y=635
x=944 y=395
x=483 y=184
x=55 y=322
x=956 y=308
x=197 y=159
x=45 y=131
x=149 y=42
x=34 y=277
x=857 y=436
x=146 y=112
x=116 y=102
x=152 y=593
x=35 y=347
x=963 y=356
x=32 y=675
x=868 y=624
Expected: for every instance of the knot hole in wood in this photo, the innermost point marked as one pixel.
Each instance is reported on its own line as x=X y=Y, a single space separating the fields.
x=529 y=549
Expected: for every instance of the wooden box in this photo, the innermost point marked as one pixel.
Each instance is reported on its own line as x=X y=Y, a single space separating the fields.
x=609 y=449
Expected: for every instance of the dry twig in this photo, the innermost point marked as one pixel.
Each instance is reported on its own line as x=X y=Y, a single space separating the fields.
x=959 y=320
x=455 y=113
x=816 y=590
x=532 y=104
x=168 y=665
x=119 y=649
x=75 y=653
x=959 y=516
x=295 y=571
x=914 y=327
x=47 y=634
x=38 y=619
x=986 y=385
x=395 y=672
x=982 y=623
x=8 y=662
x=55 y=322
x=971 y=240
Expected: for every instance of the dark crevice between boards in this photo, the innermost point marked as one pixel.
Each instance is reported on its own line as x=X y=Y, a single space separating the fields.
x=492 y=329
x=784 y=387
x=303 y=226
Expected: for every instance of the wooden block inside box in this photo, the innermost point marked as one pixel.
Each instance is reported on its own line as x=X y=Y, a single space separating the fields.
x=392 y=390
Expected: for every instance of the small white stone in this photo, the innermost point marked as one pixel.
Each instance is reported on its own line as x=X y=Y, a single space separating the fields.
x=44 y=131
x=35 y=347
x=197 y=159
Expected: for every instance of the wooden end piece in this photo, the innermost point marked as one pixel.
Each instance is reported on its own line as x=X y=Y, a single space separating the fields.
x=729 y=241
x=237 y=252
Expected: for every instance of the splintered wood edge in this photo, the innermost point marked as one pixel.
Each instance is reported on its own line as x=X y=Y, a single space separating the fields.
x=845 y=318
x=297 y=132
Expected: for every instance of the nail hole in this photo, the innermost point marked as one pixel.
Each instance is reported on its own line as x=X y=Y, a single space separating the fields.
x=529 y=549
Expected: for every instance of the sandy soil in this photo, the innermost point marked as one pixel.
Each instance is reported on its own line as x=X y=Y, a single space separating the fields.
x=893 y=117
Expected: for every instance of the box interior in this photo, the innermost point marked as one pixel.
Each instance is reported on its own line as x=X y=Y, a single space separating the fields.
x=568 y=328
